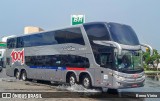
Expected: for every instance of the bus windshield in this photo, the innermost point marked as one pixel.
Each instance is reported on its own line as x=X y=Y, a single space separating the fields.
x=129 y=61
x=123 y=34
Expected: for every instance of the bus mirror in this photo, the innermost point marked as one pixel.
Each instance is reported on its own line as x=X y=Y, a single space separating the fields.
x=110 y=43
x=149 y=48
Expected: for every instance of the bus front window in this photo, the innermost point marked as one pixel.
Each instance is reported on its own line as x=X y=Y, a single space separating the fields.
x=123 y=34
x=129 y=61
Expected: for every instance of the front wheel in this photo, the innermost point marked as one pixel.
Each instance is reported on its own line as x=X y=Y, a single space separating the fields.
x=86 y=81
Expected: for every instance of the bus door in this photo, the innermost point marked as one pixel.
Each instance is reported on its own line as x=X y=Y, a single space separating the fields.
x=103 y=74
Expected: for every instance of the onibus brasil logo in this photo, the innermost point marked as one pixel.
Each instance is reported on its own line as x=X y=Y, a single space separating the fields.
x=17 y=56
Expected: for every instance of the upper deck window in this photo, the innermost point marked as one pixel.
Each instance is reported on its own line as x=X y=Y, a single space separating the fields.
x=11 y=43
x=97 y=32
x=70 y=35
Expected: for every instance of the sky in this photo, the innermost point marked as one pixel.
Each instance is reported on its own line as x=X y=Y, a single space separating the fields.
x=142 y=15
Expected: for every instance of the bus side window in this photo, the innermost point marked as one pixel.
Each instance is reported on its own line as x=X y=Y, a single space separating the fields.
x=70 y=35
x=36 y=40
x=20 y=42
x=30 y=60
x=74 y=35
x=8 y=43
x=11 y=43
x=57 y=60
x=48 y=38
x=40 y=61
x=60 y=36
x=106 y=60
x=26 y=41
x=77 y=61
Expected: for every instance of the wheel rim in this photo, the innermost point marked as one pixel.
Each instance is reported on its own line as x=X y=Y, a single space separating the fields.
x=72 y=80
x=86 y=82
x=23 y=76
x=17 y=75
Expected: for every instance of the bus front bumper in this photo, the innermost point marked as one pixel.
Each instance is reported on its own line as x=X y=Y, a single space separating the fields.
x=128 y=84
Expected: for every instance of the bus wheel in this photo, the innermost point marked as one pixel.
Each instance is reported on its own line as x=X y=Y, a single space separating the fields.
x=0 y=70
x=24 y=75
x=86 y=81
x=17 y=74
x=72 y=79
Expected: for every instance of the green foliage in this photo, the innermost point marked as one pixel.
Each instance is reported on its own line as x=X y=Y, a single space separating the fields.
x=151 y=59
x=145 y=66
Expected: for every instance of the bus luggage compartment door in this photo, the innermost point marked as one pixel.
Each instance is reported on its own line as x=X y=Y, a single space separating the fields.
x=58 y=74
x=103 y=77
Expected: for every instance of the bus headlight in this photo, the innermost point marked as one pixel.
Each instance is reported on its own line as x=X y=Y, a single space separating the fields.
x=143 y=77
x=120 y=78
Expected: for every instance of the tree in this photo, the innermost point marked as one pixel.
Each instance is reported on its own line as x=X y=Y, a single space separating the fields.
x=153 y=60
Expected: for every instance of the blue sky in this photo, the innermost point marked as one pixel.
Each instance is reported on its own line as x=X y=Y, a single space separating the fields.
x=142 y=15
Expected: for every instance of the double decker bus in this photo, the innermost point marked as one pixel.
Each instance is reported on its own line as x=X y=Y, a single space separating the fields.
x=95 y=54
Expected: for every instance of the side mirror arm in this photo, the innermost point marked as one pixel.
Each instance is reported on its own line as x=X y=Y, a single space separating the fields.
x=150 y=48
x=109 y=43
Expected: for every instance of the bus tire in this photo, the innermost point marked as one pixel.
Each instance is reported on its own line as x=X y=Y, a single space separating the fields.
x=72 y=79
x=86 y=81
x=17 y=74
x=24 y=75
x=0 y=70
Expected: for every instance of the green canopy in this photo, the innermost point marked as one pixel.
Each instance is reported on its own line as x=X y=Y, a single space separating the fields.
x=3 y=45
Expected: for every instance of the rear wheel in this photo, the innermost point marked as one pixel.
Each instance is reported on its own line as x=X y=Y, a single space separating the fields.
x=0 y=69
x=86 y=81
x=72 y=79
x=17 y=74
x=24 y=75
